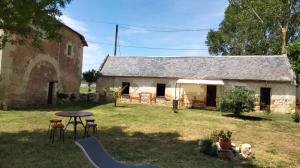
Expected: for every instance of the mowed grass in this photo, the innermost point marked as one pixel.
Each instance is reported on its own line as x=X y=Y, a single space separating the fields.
x=147 y=134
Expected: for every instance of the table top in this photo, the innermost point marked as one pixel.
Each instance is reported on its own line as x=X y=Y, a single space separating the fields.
x=73 y=114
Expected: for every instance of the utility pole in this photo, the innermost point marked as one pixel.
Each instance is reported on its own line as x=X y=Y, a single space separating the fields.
x=116 y=39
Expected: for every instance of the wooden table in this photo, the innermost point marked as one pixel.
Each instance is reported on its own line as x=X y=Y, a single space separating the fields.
x=74 y=115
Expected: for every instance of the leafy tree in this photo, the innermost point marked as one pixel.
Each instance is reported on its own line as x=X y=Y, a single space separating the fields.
x=237 y=100
x=256 y=27
x=90 y=77
x=294 y=57
x=116 y=93
x=31 y=20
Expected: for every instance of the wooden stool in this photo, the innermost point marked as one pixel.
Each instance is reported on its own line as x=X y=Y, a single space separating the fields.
x=90 y=125
x=53 y=121
x=54 y=127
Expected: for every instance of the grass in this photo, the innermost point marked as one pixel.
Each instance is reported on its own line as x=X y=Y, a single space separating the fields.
x=86 y=90
x=148 y=134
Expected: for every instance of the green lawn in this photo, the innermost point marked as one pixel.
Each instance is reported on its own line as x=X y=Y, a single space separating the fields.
x=86 y=90
x=148 y=134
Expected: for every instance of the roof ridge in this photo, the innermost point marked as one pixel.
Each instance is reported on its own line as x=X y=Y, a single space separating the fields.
x=238 y=56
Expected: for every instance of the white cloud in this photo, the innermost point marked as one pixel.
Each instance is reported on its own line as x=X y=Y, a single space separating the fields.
x=92 y=57
x=74 y=24
x=93 y=54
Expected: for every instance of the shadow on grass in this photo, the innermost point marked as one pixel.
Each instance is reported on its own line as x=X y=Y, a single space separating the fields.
x=246 y=117
x=164 y=149
x=74 y=106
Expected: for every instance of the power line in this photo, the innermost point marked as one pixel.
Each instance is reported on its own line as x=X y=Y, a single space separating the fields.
x=161 y=48
x=146 y=47
x=151 y=28
x=166 y=30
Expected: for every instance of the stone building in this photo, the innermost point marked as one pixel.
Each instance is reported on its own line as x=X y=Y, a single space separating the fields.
x=200 y=81
x=31 y=77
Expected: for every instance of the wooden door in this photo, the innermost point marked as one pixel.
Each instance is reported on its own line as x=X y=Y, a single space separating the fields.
x=211 y=96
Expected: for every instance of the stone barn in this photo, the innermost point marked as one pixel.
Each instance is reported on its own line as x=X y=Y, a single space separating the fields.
x=200 y=81
x=30 y=77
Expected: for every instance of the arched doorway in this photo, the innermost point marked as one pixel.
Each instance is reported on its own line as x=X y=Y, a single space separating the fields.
x=41 y=84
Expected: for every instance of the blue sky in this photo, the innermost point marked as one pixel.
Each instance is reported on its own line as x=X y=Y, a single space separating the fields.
x=96 y=19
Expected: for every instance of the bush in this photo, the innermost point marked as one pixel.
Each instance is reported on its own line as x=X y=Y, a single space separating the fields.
x=237 y=100
x=296 y=117
x=208 y=147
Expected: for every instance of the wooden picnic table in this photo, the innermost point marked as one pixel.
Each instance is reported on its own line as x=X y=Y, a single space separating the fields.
x=74 y=115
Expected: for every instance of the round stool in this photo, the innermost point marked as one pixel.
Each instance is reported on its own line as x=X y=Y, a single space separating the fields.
x=53 y=121
x=90 y=125
x=54 y=128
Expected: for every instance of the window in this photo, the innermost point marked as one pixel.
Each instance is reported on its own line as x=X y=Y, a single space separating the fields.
x=160 y=89
x=69 y=50
x=125 y=87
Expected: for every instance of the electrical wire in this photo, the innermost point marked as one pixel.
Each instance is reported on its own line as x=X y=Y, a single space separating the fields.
x=150 y=28
x=146 y=47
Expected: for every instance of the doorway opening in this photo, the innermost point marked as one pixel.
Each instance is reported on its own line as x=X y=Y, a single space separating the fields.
x=50 y=93
x=265 y=98
x=211 y=96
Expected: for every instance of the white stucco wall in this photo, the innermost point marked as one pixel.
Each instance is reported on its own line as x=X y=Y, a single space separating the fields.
x=283 y=95
x=139 y=85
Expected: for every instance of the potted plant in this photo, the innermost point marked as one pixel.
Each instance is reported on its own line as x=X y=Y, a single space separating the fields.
x=225 y=139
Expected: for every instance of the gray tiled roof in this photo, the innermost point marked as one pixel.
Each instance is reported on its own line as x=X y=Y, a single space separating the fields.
x=267 y=68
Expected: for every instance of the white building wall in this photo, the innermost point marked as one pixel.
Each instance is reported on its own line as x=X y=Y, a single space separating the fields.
x=283 y=95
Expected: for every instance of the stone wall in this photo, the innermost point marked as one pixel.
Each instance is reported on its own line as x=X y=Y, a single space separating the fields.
x=298 y=95
x=142 y=89
x=139 y=87
x=283 y=95
x=26 y=72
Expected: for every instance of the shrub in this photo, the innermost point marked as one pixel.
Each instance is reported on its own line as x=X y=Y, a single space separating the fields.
x=208 y=147
x=296 y=117
x=237 y=100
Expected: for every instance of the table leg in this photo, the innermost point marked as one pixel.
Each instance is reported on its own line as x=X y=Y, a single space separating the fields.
x=81 y=122
x=75 y=127
x=68 y=123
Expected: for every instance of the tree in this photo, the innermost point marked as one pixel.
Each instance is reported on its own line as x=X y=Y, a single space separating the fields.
x=116 y=93
x=260 y=27
x=31 y=20
x=294 y=57
x=90 y=77
x=237 y=100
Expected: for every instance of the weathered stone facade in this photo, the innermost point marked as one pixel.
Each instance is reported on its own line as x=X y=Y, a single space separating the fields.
x=283 y=94
x=143 y=90
x=26 y=73
x=298 y=95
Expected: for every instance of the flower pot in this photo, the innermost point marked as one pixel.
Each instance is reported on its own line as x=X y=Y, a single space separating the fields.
x=225 y=143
